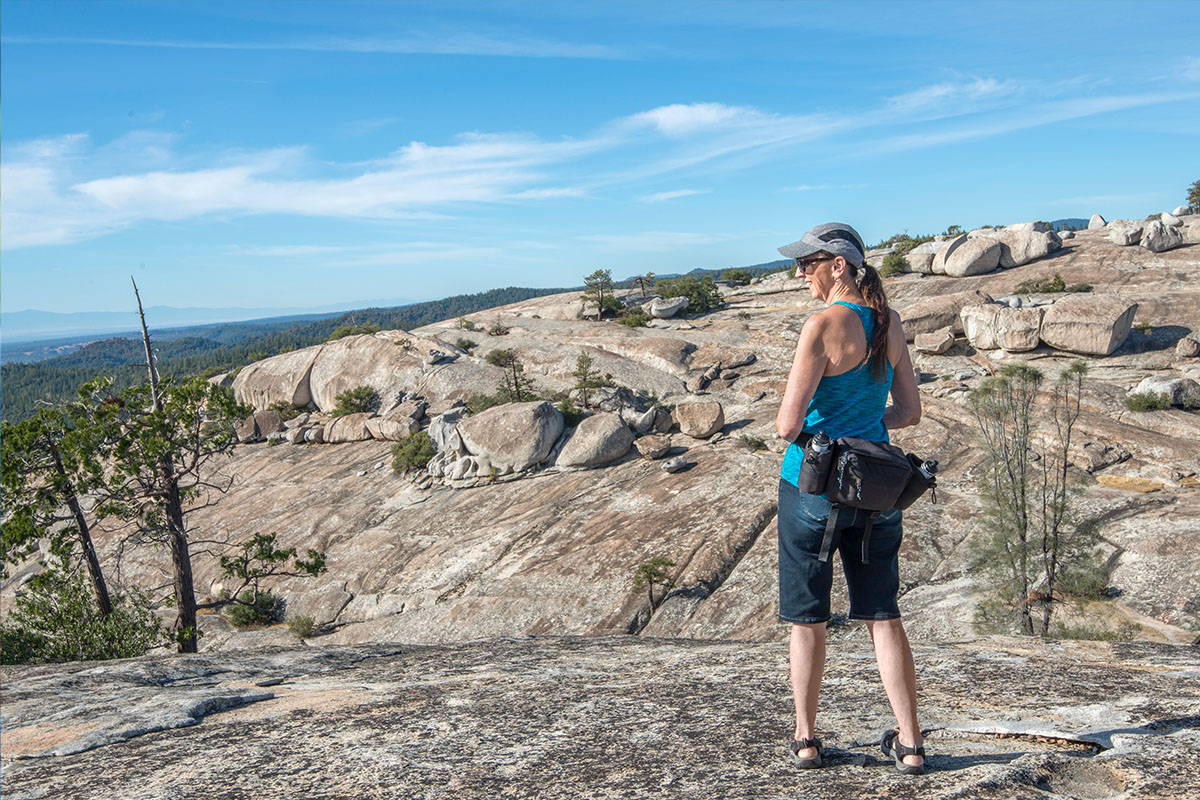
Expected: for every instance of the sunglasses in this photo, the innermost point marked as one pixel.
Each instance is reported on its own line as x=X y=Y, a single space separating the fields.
x=803 y=267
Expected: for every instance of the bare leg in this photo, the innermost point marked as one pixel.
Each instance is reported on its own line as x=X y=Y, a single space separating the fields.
x=806 y=656
x=899 y=679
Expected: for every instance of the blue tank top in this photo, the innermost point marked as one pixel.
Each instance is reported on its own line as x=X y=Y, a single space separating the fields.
x=850 y=404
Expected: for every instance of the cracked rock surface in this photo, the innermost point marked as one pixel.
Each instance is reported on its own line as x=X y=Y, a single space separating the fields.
x=604 y=717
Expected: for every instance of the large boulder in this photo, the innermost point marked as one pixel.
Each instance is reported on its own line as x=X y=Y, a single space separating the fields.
x=1182 y=211
x=259 y=425
x=392 y=427
x=700 y=419
x=1095 y=222
x=938 y=265
x=374 y=360
x=979 y=324
x=935 y=343
x=1170 y=219
x=349 y=428
x=942 y=311
x=652 y=447
x=513 y=436
x=665 y=307
x=1184 y=392
x=1191 y=232
x=283 y=378
x=1018 y=330
x=1033 y=227
x=1089 y=324
x=598 y=440
x=920 y=258
x=1158 y=237
x=1020 y=246
x=1124 y=232
x=970 y=256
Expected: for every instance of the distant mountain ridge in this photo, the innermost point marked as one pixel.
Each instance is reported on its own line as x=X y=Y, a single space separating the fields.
x=34 y=325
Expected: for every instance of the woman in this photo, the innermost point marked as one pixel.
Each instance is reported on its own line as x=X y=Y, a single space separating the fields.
x=850 y=357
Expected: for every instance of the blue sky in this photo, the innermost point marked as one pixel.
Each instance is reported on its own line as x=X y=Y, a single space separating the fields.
x=299 y=154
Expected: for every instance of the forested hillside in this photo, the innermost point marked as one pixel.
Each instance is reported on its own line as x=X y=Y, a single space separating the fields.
x=56 y=379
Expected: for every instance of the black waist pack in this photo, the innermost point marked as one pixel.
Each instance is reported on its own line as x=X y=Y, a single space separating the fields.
x=874 y=476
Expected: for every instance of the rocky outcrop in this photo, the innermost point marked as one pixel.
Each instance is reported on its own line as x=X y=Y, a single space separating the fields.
x=652 y=447
x=966 y=255
x=1183 y=392
x=1031 y=227
x=1018 y=330
x=514 y=436
x=597 y=440
x=279 y=379
x=1019 y=246
x=1089 y=324
x=666 y=307
x=392 y=427
x=1124 y=232
x=920 y=258
x=699 y=419
x=616 y=716
x=1158 y=237
x=979 y=325
x=259 y=426
x=349 y=428
x=934 y=343
x=935 y=313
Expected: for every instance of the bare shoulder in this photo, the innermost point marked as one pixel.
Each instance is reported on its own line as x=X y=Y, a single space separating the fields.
x=896 y=327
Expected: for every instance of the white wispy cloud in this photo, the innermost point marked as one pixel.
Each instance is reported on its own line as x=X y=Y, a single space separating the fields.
x=651 y=241
x=952 y=97
x=1190 y=69
x=662 y=197
x=67 y=188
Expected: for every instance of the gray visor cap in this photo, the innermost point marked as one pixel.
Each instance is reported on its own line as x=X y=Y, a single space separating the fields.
x=835 y=238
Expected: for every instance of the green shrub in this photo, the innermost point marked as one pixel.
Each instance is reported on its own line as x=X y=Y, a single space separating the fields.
x=55 y=619
x=466 y=324
x=302 y=626
x=742 y=275
x=481 y=402
x=572 y=415
x=893 y=264
x=285 y=410
x=463 y=343
x=1054 y=285
x=412 y=452
x=702 y=294
x=352 y=330
x=1193 y=196
x=356 y=401
x=1125 y=632
x=634 y=317
x=1148 y=401
x=254 y=608
x=743 y=315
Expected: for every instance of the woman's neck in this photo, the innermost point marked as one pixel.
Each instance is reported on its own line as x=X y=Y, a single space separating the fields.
x=846 y=294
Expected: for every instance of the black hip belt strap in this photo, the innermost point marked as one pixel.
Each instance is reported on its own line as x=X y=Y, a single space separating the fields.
x=831 y=528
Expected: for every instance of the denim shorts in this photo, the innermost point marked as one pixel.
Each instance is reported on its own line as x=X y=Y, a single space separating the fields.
x=805 y=582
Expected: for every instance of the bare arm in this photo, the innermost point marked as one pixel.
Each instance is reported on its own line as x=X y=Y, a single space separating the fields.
x=808 y=366
x=905 y=409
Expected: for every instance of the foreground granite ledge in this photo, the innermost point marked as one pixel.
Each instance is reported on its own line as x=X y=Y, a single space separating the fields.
x=604 y=717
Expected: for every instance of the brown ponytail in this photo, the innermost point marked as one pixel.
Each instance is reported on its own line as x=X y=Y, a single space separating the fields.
x=871 y=287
